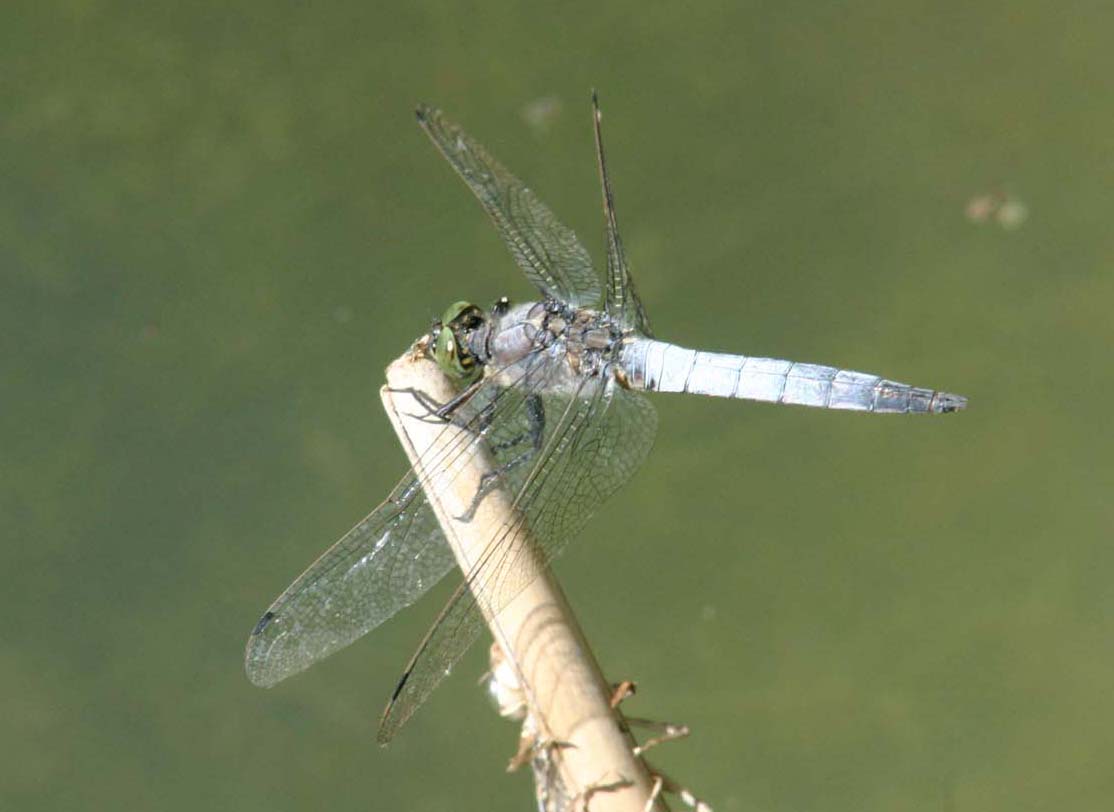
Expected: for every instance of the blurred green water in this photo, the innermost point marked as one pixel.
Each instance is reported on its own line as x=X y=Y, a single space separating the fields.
x=217 y=226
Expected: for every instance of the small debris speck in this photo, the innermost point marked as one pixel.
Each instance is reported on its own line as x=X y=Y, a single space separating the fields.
x=540 y=114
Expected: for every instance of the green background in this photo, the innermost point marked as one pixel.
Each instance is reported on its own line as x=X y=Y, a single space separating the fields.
x=219 y=222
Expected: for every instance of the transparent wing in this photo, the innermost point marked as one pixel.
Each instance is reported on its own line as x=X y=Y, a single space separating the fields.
x=382 y=564
x=389 y=559
x=594 y=441
x=622 y=301
x=547 y=251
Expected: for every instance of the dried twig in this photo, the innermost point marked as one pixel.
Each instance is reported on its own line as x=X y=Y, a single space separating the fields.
x=563 y=685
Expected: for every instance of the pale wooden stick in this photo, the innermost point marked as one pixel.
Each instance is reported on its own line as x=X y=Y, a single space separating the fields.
x=536 y=630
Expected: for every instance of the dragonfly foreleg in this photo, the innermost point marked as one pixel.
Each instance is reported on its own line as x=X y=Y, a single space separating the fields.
x=431 y=406
x=435 y=411
x=534 y=434
x=445 y=411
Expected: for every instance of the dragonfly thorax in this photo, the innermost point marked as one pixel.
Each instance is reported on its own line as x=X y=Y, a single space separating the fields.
x=467 y=338
x=580 y=341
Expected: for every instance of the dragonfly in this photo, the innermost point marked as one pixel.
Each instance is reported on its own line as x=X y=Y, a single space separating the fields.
x=552 y=391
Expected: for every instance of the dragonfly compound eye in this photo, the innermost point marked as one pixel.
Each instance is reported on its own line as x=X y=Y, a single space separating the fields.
x=453 y=351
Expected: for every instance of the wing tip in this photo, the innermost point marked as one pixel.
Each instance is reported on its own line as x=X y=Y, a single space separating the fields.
x=257 y=665
x=258 y=675
x=389 y=722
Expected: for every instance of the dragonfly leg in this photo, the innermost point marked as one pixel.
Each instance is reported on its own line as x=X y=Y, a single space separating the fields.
x=431 y=406
x=489 y=482
x=535 y=417
x=448 y=409
x=535 y=412
x=435 y=410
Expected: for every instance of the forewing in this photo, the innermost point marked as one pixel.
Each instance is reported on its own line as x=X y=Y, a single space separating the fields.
x=598 y=438
x=385 y=562
x=547 y=251
x=622 y=300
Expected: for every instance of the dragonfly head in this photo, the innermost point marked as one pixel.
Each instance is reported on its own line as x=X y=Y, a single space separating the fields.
x=452 y=349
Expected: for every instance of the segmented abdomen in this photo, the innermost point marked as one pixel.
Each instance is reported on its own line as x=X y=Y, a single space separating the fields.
x=657 y=366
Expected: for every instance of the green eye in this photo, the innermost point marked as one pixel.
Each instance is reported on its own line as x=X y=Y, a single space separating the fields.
x=446 y=346
x=464 y=314
x=451 y=351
